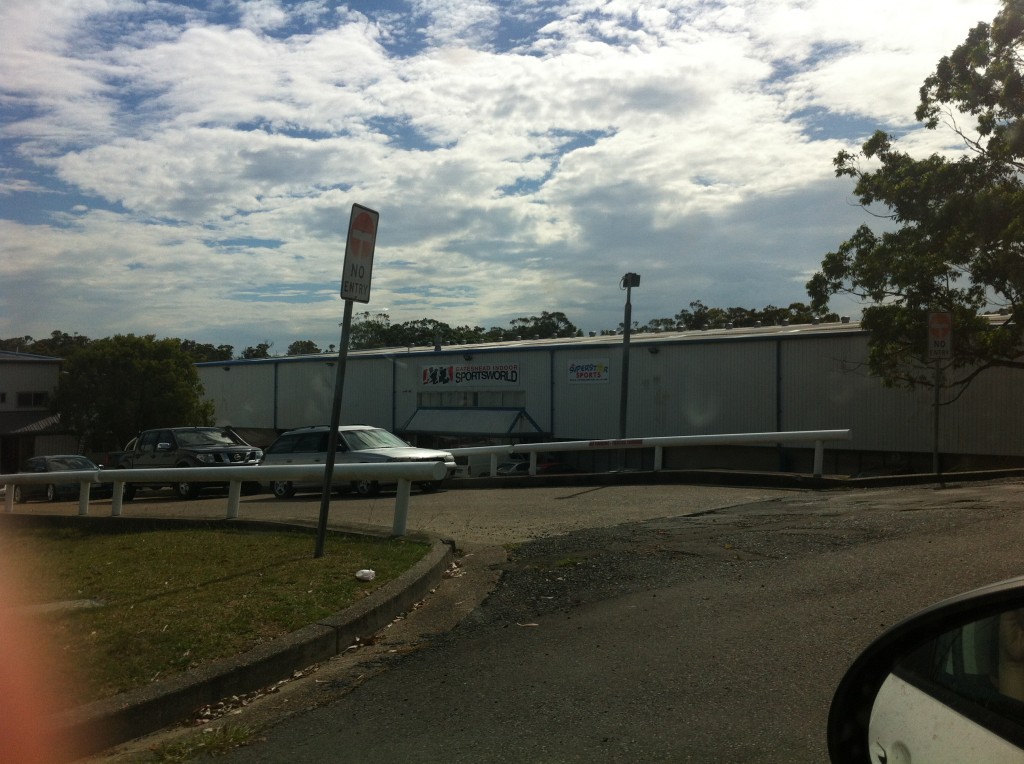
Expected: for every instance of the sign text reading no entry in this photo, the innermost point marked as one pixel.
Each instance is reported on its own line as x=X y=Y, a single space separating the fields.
x=358 y=269
x=940 y=335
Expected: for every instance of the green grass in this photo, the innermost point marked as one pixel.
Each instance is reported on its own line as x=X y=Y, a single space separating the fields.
x=171 y=600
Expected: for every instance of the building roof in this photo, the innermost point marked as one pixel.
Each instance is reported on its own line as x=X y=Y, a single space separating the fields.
x=10 y=355
x=745 y=333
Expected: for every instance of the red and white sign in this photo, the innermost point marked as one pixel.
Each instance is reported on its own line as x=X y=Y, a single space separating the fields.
x=940 y=335
x=358 y=268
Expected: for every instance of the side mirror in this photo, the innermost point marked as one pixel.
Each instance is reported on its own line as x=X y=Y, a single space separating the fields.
x=945 y=685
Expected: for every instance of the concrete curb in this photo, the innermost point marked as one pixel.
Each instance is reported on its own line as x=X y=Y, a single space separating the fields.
x=729 y=478
x=109 y=722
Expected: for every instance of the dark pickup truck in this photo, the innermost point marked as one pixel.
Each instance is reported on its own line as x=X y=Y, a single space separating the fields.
x=186 y=447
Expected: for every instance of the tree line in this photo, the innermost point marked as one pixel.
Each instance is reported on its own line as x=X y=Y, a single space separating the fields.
x=375 y=330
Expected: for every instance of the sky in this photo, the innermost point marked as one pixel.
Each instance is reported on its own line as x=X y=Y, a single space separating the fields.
x=189 y=169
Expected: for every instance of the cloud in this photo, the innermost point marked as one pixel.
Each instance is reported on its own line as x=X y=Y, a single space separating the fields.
x=522 y=155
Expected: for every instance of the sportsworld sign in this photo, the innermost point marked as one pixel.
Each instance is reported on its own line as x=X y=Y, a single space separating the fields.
x=471 y=374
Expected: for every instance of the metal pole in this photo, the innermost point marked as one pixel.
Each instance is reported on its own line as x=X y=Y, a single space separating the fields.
x=627 y=320
x=332 y=435
x=936 y=461
x=401 y=508
x=234 y=498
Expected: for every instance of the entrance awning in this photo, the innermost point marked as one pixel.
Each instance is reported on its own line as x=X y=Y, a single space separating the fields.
x=471 y=421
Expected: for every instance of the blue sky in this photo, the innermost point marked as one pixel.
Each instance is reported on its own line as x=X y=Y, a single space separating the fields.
x=188 y=169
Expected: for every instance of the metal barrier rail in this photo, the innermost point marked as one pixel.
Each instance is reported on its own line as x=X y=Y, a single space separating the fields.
x=404 y=474
x=818 y=437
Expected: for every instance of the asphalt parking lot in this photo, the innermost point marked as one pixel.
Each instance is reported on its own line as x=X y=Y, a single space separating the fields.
x=626 y=623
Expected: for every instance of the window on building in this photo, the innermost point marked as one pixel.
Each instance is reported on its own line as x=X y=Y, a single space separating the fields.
x=33 y=400
x=472 y=399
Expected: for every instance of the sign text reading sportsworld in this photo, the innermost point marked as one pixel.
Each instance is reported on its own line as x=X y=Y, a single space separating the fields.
x=507 y=373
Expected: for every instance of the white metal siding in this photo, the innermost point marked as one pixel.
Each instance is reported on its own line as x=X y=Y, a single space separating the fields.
x=826 y=384
x=242 y=394
x=683 y=389
x=696 y=385
x=27 y=377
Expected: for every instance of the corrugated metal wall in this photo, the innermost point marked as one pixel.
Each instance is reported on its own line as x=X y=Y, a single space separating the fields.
x=242 y=394
x=807 y=380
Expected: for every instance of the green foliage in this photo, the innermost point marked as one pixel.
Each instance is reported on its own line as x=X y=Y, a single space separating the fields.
x=205 y=352
x=57 y=345
x=114 y=387
x=958 y=242
x=303 y=347
x=700 y=316
x=262 y=350
x=376 y=331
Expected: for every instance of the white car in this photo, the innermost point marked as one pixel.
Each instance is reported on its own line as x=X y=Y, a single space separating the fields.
x=944 y=686
x=357 y=444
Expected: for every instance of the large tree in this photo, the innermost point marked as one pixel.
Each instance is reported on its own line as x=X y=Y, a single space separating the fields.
x=303 y=347
x=956 y=239
x=114 y=387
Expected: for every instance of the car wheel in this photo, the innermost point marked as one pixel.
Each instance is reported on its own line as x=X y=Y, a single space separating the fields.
x=128 y=493
x=186 y=490
x=430 y=486
x=19 y=497
x=51 y=492
x=366 y=487
x=282 y=490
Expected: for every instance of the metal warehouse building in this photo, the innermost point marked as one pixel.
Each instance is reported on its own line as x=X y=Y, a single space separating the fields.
x=792 y=378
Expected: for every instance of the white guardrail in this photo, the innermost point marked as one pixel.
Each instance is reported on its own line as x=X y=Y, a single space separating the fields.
x=818 y=437
x=402 y=473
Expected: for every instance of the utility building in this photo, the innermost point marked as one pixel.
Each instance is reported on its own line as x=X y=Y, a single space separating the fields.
x=791 y=378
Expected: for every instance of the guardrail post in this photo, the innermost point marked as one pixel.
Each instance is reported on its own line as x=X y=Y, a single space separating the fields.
x=659 y=455
x=117 y=498
x=819 y=458
x=401 y=507
x=494 y=466
x=533 y=462
x=9 y=497
x=83 y=496
x=234 y=496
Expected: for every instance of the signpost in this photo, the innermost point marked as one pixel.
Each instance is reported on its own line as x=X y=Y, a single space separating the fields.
x=357 y=272
x=940 y=336
x=940 y=346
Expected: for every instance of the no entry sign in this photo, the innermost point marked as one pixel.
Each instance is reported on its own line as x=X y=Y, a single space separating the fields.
x=940 y=335
x=358 y=268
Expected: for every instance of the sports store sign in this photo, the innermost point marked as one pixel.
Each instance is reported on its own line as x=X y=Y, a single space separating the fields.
x=590 y=370
x=471 y=374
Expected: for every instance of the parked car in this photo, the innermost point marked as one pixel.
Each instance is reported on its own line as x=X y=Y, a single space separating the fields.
x=187 y=447
x=944 y=686
x=56 y=491
x=543 y=468
x=357 y=444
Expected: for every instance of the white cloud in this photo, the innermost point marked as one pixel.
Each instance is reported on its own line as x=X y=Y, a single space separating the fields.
x=200 y=163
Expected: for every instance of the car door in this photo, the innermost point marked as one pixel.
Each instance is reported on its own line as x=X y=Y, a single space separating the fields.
x=958 y=698
x=35 y=464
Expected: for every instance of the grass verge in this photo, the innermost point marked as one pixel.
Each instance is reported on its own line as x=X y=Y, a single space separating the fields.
x=141 y=606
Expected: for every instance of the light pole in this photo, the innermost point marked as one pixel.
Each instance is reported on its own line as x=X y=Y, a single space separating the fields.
x=629 y=281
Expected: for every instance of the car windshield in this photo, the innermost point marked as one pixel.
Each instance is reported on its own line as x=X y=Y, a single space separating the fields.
x=361 y=440
x=205 y=438
x=71 y=463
